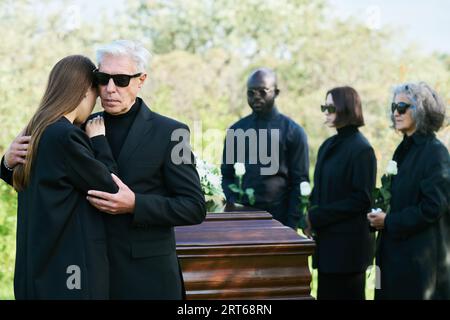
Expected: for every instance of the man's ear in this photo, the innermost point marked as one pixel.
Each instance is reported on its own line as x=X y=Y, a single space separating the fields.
x=142 y=80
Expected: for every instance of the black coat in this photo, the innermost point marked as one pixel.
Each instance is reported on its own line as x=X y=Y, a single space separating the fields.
x=141 y=246
x=414 y=247
x=56 y=227
x=344 y=179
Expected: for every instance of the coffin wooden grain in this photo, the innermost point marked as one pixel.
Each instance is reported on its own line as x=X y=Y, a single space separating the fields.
x=244 y=255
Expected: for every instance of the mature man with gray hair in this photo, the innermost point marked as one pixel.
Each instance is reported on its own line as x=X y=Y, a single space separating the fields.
x=157 y=192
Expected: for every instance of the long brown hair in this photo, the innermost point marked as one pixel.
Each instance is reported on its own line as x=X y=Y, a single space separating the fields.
x=67 y=85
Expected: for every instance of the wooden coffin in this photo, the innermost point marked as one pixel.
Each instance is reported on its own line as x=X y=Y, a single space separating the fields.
x=244 y=255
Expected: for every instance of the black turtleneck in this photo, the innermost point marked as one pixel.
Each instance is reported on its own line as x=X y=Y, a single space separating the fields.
x=402 y=149
x=346 y=131
x=118 y=126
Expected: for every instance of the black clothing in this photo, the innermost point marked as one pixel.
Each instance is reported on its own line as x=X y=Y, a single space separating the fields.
x=277 y=193
x=341 y=286
x=344 y=180
x=414 y=246
x=57 y=229
x=117 y=127
x=141 y=245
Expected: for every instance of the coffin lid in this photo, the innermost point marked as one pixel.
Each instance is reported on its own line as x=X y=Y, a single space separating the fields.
x=236 y=229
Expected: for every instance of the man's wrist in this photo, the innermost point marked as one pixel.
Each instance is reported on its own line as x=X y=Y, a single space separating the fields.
x=5 y=163
x=97 y=135
x=133 y=206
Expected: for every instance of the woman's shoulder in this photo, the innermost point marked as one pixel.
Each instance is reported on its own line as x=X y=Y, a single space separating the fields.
x=61 y=132
x=359 y=141
x=357 y=145
x=434 y=148
x=328 y=141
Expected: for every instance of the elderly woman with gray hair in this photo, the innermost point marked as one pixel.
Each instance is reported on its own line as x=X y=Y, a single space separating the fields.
x=413 y=253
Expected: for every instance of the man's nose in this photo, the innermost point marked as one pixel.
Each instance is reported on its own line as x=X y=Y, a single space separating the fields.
x=111 y=87
x=256 y=94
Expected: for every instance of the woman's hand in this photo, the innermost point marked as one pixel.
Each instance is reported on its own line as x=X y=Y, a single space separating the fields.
x=95 y=127
x=376 y=219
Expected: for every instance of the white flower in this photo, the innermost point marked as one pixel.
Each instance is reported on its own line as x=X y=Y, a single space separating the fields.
x=239 y=169
x=201 y=172
x=305 y=188
x=392 y=168
x=214 y=180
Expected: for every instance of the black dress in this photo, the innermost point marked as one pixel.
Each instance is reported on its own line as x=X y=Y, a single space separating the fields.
x=344 y=179
x=61 y=240
x=414 y=247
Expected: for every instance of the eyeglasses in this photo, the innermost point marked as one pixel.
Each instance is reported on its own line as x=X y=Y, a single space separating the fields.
x=261 y=91
x=120 y=80
x=331 y=108
x=401 y=107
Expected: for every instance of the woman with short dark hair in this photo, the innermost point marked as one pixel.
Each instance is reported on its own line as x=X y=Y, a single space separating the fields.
x=413 y=255
x=344 y=179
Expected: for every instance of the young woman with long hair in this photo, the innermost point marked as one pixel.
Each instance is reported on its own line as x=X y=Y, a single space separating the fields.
x=61 y=240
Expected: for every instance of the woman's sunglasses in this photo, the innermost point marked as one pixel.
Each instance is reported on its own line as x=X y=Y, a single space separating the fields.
x=329 y=107
x=401 y=107
x=120 y=80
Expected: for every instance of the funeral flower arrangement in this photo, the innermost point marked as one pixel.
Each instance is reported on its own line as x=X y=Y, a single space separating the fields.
x=211 y=182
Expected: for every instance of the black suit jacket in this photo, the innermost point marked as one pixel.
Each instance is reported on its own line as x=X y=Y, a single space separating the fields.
x=142 y=248
x=344 y=179
x=57 y=229
x=414 y=247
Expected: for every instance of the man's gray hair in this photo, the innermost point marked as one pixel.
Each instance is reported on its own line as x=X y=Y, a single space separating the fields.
x=429 y=108
x=133 y=49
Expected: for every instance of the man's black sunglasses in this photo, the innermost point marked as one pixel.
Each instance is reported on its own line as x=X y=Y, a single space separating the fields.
x=120 y=80
x=401 y=107
x=329 y=107
x=261 y=91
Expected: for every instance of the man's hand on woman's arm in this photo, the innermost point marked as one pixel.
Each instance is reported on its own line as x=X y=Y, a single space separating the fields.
x=17 y=151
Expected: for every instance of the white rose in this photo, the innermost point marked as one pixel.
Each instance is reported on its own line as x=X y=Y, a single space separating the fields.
x=305 y=188
x=214 y=180
x=392 y=168
x=239 y=169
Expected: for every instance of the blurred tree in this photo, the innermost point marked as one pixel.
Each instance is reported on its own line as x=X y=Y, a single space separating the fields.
x=205 y=49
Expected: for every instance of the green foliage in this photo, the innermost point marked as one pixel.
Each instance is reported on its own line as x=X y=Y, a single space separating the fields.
x=8 y=209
